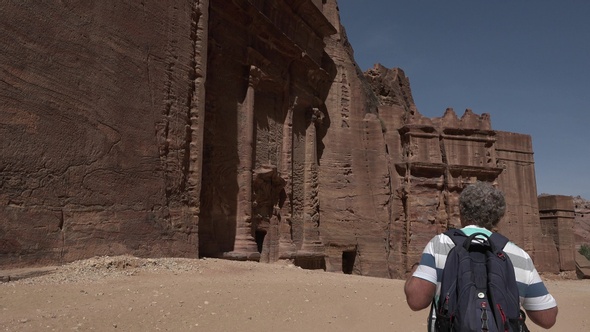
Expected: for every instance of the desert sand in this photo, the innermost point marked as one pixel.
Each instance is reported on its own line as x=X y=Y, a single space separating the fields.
x=131 y=294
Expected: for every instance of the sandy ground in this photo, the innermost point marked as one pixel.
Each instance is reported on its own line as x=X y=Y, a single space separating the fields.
x=130 y=294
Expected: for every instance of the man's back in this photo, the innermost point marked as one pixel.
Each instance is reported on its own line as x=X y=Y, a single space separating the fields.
x=478 y=287
x=483 y=205
x=532 y=291
x=533 y=294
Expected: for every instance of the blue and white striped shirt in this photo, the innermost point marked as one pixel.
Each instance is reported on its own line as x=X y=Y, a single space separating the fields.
x=533 y=293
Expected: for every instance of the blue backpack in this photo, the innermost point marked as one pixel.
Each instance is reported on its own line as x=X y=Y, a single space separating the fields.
x=478 y=288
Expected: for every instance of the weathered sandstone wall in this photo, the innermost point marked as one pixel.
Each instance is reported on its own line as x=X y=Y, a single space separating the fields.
x=100 y=113
x=582 y=225
x=557 y=224
x=235 y=129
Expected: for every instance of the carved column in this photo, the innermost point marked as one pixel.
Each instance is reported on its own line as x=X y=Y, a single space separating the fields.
x=311 y=212
x=245 y=247
x=287 y=248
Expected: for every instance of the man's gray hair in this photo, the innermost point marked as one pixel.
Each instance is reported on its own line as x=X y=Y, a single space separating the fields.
x=481 y=204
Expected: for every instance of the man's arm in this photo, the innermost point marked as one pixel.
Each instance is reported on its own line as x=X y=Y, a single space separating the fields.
x=544 y=318
x=419 y=292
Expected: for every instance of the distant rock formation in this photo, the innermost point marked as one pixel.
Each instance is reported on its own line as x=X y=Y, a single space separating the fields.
x=235 y=129
x=582 y=215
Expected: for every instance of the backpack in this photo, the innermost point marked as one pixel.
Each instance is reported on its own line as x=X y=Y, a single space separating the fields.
x=478 y=288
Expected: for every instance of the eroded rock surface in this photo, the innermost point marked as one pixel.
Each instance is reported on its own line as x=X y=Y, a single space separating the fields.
x=98 y=112
x=235 y=129
x=582 y=215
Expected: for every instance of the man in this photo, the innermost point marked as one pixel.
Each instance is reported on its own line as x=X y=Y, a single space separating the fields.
x=481 y=206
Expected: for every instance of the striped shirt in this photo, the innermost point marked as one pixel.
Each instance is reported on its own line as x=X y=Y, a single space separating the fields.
x=533 y=293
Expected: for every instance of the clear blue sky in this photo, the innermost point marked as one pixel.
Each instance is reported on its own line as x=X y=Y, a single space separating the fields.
x=525 y=62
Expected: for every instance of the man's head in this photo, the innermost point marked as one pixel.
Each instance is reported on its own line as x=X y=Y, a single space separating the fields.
x=482 y=205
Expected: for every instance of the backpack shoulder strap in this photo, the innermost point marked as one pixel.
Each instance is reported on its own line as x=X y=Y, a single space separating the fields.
x=456 y=235
x=499 y=241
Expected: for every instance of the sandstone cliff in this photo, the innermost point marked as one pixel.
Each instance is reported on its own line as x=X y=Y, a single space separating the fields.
x=100 y=107
x=235 y=129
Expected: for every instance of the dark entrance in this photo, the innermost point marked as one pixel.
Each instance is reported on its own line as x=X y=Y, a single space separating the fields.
x=260 y=234
x=348 y=258
x=310 y=262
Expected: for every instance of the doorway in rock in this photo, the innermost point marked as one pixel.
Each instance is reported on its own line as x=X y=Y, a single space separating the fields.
x=348 y=258
x=260 y=234
x=310 y=262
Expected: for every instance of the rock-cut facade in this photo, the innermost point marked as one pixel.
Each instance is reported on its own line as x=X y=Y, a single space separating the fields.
x=233 y=129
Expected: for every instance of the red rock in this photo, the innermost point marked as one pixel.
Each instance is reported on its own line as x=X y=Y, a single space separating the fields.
x=236 y=129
